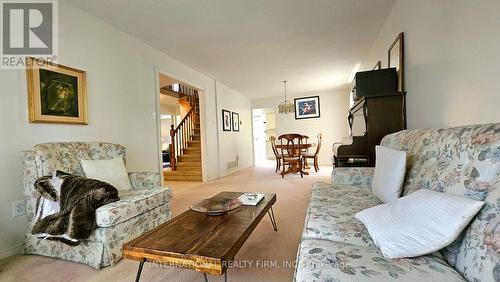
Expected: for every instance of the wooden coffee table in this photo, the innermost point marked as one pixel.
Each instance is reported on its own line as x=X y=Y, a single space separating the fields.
x=200 y=242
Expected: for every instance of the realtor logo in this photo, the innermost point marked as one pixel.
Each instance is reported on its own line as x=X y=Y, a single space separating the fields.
x=29 y=29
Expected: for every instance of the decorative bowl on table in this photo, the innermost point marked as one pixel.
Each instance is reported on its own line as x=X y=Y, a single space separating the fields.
x=216 y=206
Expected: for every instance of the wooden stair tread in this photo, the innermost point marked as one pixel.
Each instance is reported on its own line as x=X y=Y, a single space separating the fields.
x=181 y=172
x=193 y=169
x=184 y=178
x=188 y=164
x=189 y=157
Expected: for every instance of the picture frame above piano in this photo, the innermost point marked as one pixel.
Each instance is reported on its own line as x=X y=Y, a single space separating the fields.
x=396 y=59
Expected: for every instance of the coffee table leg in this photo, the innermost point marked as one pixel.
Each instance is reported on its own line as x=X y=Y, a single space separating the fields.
x=206 y=277
x=270 y=212
x=139 y=271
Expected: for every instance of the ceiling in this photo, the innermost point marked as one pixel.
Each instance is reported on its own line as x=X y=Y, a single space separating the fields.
x=252 y=45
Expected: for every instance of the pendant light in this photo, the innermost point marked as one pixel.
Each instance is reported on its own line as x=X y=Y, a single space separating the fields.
x=286 y=107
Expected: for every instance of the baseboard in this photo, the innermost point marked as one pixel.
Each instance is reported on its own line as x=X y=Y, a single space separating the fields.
x=14 y=250
x=232 y=171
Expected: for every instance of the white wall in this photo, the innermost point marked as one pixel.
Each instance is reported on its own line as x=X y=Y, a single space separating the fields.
x=232 y=144
x=121 y=83
x=452 y=59
x=332 y=122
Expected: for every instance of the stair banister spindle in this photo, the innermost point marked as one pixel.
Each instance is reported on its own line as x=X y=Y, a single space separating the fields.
x=184 y=129
x=172 y=147
x=181 y=141
x=183 y=137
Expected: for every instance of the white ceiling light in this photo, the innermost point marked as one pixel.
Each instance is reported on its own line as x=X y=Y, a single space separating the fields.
x=286 y=107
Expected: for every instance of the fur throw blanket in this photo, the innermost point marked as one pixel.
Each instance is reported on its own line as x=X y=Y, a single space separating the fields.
x=78 y=198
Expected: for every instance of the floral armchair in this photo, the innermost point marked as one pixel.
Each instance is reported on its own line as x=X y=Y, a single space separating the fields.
x=139 y=210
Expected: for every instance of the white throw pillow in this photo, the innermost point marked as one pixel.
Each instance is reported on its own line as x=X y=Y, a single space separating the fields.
x=418 y=224
x=111 y=171
x=389 y=174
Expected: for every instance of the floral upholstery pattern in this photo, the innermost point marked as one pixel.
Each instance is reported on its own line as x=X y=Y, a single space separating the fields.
x=477 y=256
x=322 y=260
x=66 y=156
x=145 y=207
x=353 y=176
x=331 y=210
x=131 y=204
x=463 y=161
x=104 y=247
x=144 y=180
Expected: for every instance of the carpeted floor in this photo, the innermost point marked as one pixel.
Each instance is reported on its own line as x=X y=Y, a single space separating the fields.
x=266 y=255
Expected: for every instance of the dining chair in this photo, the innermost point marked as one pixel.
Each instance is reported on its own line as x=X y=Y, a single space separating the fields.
x=272 y=140
x=291 y=153
x=314 y=155
x=305 y=140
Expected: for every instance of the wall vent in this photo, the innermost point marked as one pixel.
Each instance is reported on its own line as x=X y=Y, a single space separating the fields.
x=233 y=164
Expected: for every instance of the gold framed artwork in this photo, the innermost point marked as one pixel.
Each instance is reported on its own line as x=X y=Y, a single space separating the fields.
x=56 y=93
x=396 y=59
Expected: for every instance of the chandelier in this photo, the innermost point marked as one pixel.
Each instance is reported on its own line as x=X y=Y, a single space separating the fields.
x=286 y=107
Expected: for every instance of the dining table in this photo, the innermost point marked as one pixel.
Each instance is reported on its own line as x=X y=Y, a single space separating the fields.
x=295 y=168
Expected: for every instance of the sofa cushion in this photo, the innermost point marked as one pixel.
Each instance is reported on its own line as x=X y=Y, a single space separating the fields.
x=131 y=203
x=418 y=224
x=389 y=174
x=321 y=260
x=112 y=171
x=331 y=211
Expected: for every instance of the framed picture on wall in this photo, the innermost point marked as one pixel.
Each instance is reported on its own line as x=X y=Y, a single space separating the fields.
x=236 y=121
x=226 y=120
x=396 y=59
x=56 y=93
x=307 y=107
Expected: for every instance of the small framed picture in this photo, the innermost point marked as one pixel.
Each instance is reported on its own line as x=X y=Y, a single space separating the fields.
x=56 y=93
x=396 y=59
x=307 y=107
x=226 y=120
x=236 y=121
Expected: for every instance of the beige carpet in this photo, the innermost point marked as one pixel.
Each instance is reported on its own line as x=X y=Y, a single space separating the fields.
x=266 y=255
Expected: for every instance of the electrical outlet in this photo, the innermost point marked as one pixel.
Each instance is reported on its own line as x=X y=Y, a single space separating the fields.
x=18 y=208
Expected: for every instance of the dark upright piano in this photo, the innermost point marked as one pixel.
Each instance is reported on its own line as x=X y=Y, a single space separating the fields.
x=382 y=111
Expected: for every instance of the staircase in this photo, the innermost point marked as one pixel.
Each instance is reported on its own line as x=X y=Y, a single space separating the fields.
x=185 y=147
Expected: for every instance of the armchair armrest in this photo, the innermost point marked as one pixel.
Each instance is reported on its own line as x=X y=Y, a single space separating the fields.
x=353 y=176
x=144 y=180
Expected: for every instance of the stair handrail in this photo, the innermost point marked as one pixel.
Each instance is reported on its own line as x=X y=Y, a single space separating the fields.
x=180 y=141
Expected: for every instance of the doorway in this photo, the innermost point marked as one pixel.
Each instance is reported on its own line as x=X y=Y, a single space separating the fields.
x=264 y=126
x=180 y=130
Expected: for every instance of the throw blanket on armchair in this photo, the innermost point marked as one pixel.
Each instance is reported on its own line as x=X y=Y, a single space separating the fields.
x=78 y=198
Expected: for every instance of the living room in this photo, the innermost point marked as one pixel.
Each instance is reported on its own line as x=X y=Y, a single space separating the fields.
x=237 y=54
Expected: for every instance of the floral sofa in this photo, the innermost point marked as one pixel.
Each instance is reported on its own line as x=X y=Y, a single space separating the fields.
x=462 y=160
x=139 y=210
